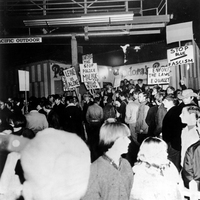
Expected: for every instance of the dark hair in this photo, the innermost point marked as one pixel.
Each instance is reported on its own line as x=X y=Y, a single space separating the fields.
x=57 y=96
x=97 y=99
x=123 y=94
x=18 y=120
x=171 y=97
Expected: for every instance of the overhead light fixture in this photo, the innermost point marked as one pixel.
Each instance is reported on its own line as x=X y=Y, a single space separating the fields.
x=89 y=19
x=126 y=27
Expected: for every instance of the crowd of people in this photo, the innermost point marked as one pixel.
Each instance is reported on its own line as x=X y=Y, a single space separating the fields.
x=143 y=141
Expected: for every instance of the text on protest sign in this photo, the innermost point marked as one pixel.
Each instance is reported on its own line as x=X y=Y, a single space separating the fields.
x=71 y=78
x=20 y=40
x=87 y=59
x=158 y=74
x=180 y=55
x=92 y=85
x=89 y=72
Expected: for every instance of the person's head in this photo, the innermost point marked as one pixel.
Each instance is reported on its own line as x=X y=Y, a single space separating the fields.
x=159 y=96
x=170 y=90
x=2 y=105
x=54 y=168
x=187 y=96
x=130 y=96
x=9 y=105
x=17 y=120
x=131 y=81
x=57 y=99
x=33 y=105
x=142 y=97
x=122 y=95
x=190 y=115
x=87 y=97
x=47 y=107
x=170 y=101
x=114 y=133
x=140 y=81
x=156 y=89
x=51 y=98
x=97 y=99
x=153 y=150
x=136 y=94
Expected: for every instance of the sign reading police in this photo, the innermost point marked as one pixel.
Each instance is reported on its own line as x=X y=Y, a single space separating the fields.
x=180 y=55
x=89 y=72
x=20 y=40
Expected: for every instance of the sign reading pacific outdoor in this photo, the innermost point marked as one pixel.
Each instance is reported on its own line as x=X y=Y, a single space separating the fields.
x=180 y=55
x=71 y=78
x=158 y=74
x=20 y=40
x=89 y=72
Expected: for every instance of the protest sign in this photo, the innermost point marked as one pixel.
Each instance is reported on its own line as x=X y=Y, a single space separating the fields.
x=71 y=78
x=158 y=75
x=90 y=85
x=180 y=55
x=23 y=80
x=87 y=59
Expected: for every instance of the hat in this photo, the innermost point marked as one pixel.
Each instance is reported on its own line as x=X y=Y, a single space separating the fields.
x=54 y=168
x=187 y=93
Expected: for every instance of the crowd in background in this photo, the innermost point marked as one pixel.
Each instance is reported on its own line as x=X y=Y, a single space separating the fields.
x=168 y=118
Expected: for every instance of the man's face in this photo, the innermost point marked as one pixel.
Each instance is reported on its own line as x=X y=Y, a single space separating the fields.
x=141 y=98
x=187 y=100
x=57 y=101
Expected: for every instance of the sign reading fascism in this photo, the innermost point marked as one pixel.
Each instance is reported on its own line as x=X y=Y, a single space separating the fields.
x=180 y=55
x=20 y=40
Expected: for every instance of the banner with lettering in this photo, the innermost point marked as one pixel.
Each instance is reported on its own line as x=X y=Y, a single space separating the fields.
x=180 y=55
x=90 y=85
x=89 y=72
x=158 y=74
x=71 y=78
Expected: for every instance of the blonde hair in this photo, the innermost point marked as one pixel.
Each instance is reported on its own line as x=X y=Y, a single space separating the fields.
x=111 y=131
x=153 y=150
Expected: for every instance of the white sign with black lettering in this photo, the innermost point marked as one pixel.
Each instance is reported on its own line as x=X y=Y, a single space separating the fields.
x=180 y=55
x=87 y=59
x=89 y=72
x=20 y=40
x=158 y=74
x=71 y=78
x=91 y=85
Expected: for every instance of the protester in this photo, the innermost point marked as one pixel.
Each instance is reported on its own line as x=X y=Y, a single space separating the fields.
x=54 y=168
x=111 y=176
x=155 y=177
